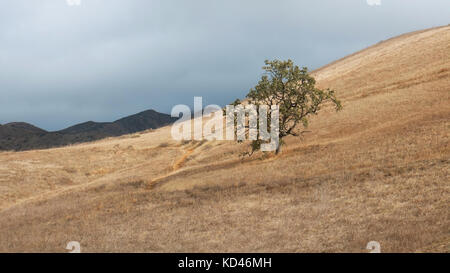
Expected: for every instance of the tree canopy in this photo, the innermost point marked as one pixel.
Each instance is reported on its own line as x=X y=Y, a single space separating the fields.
x=294 y=91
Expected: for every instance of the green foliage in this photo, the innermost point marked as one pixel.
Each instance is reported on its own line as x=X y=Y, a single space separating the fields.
x=294 y=90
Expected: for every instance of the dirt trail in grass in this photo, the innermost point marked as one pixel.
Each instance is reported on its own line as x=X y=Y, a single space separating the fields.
x=53 y=193
x=177 y=165
x=180 y=162
x=46 y=195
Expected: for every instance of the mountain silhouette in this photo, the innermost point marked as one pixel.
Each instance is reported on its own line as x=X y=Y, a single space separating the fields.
x=20 y=136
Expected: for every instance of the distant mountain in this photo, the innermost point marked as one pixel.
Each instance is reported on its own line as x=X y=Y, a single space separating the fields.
x=13 y=128
x=21 y=136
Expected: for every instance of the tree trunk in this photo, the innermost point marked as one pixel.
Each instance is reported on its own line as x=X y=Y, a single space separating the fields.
x=278 y=150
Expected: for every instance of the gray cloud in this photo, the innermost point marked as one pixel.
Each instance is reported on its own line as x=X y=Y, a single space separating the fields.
x=105 y=59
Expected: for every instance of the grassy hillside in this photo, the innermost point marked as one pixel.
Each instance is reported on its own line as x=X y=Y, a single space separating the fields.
x=378 y=170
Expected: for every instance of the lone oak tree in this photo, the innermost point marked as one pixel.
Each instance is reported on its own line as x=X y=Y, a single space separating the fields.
x=293 y=90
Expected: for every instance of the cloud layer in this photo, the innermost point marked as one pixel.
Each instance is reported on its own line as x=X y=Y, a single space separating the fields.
x=105 y=59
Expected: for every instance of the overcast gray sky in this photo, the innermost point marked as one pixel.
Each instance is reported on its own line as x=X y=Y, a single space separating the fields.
x=105 y=59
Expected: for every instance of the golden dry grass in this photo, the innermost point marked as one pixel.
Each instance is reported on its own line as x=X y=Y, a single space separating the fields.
x=378 y=170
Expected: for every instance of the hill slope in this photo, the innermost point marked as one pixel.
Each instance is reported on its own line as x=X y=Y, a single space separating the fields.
x=23 y=136
x=378 y=170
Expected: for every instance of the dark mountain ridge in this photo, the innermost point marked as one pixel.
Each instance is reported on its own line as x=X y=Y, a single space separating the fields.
x=20 y=136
